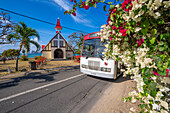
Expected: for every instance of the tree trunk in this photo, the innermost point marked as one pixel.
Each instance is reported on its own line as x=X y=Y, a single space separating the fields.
x=16 y=68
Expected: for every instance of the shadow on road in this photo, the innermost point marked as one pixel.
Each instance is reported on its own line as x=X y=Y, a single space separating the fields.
x=33 y=75
x=117 y=80
x=46 y=77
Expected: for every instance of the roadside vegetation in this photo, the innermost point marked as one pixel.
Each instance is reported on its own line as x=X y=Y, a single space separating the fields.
x=25 y=66
x=137 y=34
x=23 y=34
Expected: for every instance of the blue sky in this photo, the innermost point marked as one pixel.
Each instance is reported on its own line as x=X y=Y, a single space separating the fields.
x=49 y=10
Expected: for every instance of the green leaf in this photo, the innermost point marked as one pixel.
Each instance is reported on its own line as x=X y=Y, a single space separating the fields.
x=111 y=17
x=128 y=32
x=161 y=43
x=152 y=86
x=112 y=6
x=110 y=3
x=144 y=31
x=80 y=1
x=104 y=8
x=160 y=68
x=152 y=41
x=161 y=22
x=145 y=24
x=161 y=48
x=154 y=31
x=145 y=80
x=153 y=93
x=95 y=5
x=162 y=73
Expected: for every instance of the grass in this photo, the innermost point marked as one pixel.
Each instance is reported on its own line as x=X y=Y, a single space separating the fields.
x=25 y=65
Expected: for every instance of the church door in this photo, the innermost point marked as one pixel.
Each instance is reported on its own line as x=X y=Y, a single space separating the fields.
x=58 y=53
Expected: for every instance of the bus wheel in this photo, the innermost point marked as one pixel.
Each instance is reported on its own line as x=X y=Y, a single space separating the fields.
x=115 y=70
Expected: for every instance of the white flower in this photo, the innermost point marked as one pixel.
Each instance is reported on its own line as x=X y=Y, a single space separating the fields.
x=125 y=17
x=166 y=4
x=133 y=100
x=113 y=32
x=136 y=5
x=158 y=96
x=132 y=109
x=110 y=23
x=163 y=111
x=157 y=14
x=131 y=13
x=137 y=29
x=117 y=6
x=142 y=1
x=164 y=104
x=103 y=26
x=156 y=106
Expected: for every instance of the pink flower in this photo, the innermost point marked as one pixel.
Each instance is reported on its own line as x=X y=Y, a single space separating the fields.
x=140 y=42
x=74 y=13
x=114 y=28
x=167 y=72
x=111 y=38
x=123 y=31
x=155 y=73
x=86 y=7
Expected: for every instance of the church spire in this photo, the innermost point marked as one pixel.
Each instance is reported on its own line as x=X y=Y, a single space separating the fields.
x=58 y=26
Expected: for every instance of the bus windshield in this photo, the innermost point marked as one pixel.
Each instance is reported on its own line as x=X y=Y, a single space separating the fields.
x=93 y=48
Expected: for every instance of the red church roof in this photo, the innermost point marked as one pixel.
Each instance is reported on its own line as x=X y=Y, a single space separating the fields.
x=58 y=26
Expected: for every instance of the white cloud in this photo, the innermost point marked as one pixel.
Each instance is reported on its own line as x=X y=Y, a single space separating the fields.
x=64 y=4
x=78 y=18
x=8 y=46
x=32 y=46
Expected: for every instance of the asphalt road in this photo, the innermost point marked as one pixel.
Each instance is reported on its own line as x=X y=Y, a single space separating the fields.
x=64 y=91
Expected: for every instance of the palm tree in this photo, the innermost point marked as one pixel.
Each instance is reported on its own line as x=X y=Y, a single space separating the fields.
x=22 y=33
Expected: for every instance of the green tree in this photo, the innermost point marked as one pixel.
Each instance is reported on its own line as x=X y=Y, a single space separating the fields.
x=10 y=53
x=23 y=33
x=76 y=41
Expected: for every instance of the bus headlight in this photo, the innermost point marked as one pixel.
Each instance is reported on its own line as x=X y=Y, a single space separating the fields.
x=108 y=69
x=102 y=68
x=105 y=69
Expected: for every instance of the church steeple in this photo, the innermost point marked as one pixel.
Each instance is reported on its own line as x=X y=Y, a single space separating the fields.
x=58 y=26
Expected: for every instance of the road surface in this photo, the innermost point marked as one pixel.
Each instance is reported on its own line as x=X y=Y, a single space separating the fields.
x=64 y=91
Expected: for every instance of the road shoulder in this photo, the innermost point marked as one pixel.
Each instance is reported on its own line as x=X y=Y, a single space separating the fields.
x=111 y=100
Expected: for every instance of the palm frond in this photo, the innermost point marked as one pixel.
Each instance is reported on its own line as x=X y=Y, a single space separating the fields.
x=24 y=26
x=36 y=44
x=10 y=37
x=32 y=32
x=27 y=46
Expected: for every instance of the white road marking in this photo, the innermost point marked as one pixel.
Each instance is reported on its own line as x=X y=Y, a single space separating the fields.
x=31 y=90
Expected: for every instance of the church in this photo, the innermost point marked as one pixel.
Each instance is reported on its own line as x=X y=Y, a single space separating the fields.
x=57 y=47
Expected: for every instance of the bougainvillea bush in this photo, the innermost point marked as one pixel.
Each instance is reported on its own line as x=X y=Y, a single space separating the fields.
x=41 y=60
x=77 y=58
x=137 y=34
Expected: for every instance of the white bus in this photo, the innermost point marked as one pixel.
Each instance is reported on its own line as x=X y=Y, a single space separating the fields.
x=92 y=61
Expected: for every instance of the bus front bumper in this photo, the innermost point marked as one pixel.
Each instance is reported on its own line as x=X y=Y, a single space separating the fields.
x=97 y=73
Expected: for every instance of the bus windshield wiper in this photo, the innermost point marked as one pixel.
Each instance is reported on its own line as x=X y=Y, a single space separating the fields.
x=101 y=57
x=91 y=53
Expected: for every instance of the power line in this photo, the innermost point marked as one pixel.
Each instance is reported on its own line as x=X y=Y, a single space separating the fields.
x=40 y=20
